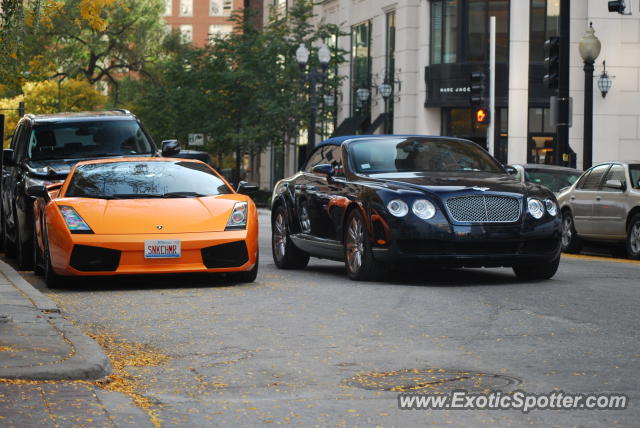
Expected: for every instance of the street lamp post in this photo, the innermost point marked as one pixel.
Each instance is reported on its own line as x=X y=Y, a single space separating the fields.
x=589 y=51
x=385 y=89
x=312 y=76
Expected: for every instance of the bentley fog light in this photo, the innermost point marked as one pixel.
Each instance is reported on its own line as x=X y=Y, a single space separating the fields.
x=398 y=207
x=551 y=207
x=535 y=208
x=423 y=209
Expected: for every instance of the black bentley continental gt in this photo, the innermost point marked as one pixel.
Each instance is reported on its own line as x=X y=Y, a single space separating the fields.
x=374 y=201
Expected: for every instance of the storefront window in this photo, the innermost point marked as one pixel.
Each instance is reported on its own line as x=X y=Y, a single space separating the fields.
x=545 y=16
x=460 y=30
x=361 y=68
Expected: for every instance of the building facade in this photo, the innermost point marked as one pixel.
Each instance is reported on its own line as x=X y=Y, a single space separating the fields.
x=427 y=50
x=197 y=20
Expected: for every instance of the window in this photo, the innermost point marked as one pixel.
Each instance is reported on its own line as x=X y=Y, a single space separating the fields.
x=460 y=30
x=615 y=173
x=634 y=173
x=168 y=11
x=279 y=8
x=314 y=159
x=220 y=30
x=186 y=7
x=136 y=180
x=540 y=120
x=593 y=179
x=544 y=23
x=215 y=7
x=88 y=139
x=361 y=68
x=227 y=7
x=186 y=32
x=332 y=155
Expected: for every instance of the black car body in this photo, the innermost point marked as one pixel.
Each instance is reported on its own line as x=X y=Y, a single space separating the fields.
x=43 y=150
x=478 y=218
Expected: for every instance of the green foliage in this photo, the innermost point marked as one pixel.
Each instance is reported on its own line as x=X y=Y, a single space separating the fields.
x=243 y=89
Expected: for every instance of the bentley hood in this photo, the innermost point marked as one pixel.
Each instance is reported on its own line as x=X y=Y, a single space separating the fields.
x=452 y=182
x=154 y=216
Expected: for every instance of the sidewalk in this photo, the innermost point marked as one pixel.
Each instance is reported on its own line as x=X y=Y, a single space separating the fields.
x=36 y=342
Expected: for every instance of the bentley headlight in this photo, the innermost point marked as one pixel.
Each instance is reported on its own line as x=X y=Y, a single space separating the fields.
x=398 y=207
x=551 y=207
x=535 y=208
x=423 y=209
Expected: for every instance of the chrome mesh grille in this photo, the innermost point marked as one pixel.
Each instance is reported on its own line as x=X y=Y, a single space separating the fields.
x=484 y=208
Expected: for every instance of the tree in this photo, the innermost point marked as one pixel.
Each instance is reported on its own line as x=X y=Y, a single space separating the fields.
x=22 y=40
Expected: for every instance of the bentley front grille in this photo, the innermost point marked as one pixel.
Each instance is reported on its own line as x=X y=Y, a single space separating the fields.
x=484 y=209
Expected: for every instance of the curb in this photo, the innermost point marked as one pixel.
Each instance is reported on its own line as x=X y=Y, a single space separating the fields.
x=87 y=360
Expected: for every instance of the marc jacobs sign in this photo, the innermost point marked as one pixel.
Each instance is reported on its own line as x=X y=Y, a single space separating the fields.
x=459 y=89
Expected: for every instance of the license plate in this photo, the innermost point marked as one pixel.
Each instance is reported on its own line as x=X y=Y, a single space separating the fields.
x=159 y=249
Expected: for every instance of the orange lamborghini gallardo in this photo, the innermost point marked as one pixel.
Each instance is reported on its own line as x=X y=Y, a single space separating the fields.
x=143 y=216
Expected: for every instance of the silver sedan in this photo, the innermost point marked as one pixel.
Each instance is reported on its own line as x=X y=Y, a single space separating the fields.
x=603 y=205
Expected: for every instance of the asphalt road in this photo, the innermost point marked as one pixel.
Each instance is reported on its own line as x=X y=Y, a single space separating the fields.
x=312 y=348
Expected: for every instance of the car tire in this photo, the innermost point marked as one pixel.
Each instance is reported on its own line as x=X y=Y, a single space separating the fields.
x=285 y=254
x=246 y=276
x=358 y=257
x=633 y=238
x=537 y=271
x=571 y=243
x=51 y=278
x=24 y=252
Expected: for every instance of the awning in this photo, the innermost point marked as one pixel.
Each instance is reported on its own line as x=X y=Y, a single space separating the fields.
x=349 y=126
x=376 y=123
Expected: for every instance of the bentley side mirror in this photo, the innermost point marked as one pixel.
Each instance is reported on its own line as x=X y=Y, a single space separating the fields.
x=7 y=157
x=324 y=170
x=38 y=191
x=246 y=188
x=170 y=148
x=615 y=184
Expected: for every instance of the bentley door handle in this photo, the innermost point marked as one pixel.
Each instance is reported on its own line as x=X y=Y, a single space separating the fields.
x=598 y=198
x=573 y=198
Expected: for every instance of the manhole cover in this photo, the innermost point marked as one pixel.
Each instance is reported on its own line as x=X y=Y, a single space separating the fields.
x=438 y=380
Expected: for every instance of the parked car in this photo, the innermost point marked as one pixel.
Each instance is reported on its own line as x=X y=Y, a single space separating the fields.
x=603 y=206
x=43 y=150
x=126 y=216
x=376 y=200
x=553 y=177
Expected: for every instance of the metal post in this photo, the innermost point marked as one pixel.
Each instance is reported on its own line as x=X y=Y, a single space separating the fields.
x=21 y=108
x=563 y=157
x=491 y=129
x=311 y=141
x=587 y=156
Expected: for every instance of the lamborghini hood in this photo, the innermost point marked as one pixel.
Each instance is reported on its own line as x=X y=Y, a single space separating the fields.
x=158 y=216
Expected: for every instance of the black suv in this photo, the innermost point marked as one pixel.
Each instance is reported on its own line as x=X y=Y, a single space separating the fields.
x=43 y=150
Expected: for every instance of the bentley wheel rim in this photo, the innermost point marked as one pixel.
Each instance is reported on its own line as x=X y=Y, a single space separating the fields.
x=634 y=238
x=280 y=236
x=567 y=226
x=355 y=245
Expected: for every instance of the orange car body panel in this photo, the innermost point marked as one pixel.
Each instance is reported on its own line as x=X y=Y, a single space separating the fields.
x=124 y=225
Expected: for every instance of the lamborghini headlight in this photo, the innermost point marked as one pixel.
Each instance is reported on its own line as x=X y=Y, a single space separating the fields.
x=238 y=217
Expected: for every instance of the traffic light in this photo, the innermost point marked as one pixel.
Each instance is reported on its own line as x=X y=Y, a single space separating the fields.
x=478 y=88
x=617 y=6
x=552 y=62
x=481 y=116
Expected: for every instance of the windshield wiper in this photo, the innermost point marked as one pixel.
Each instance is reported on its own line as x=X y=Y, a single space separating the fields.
x=182 y=195
x=136 y=195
